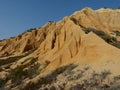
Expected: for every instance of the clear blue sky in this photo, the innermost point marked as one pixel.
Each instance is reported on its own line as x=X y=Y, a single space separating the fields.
x=16 y=16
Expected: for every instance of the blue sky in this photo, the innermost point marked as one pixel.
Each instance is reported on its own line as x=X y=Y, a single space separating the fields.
x=16 y=16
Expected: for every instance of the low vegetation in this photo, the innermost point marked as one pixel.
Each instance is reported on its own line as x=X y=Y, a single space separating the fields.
x=1 y=69
x=12 y=59
x=9 y=60
x=18 y=74
x=117 y=33
x=95 y=80
x=48 y=79
x=109 y=39
x=21 y=72
x=2 y=82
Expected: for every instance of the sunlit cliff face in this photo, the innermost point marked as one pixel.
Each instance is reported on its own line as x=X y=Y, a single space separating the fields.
x=87 y=41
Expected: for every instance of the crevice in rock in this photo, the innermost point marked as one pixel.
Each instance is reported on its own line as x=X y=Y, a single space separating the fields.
x=77 y=47
x=79 y=43
x=64 y=35
x=53 y=41
x=70 y=52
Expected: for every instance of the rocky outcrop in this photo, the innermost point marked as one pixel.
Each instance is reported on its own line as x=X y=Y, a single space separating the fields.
x=61 y=43
x=102 y=19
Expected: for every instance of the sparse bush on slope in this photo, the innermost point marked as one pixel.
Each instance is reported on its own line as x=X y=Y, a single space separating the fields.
x=17 y=75
x=48 y=79
x=2 y=82
x=117 y=33
x=109 y=39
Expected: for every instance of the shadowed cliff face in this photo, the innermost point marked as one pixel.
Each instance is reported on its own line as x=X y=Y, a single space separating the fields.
x=87 y=37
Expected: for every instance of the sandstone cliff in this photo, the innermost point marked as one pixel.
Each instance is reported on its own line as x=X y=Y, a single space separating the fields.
x=79 y=39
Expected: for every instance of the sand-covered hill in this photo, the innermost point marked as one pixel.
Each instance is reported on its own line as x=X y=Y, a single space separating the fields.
x=75 y=48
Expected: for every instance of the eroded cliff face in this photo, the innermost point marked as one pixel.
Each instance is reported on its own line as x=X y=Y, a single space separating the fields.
x=106 y=20
x=102 y=19
x=64 y=42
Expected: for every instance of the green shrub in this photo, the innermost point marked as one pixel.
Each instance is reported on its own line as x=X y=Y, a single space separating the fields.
x=48 y=79
x=36 y=86
x=117 y=77
x=105 y=73
x=2 y=82
x=30 y=86
x=7 y=67
x=98 y=32
x=17 y=74
x=10 y=60
x=33 y=60
x=1 y=69
x=33 y=71
x=108 y=38
x=117 y=33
